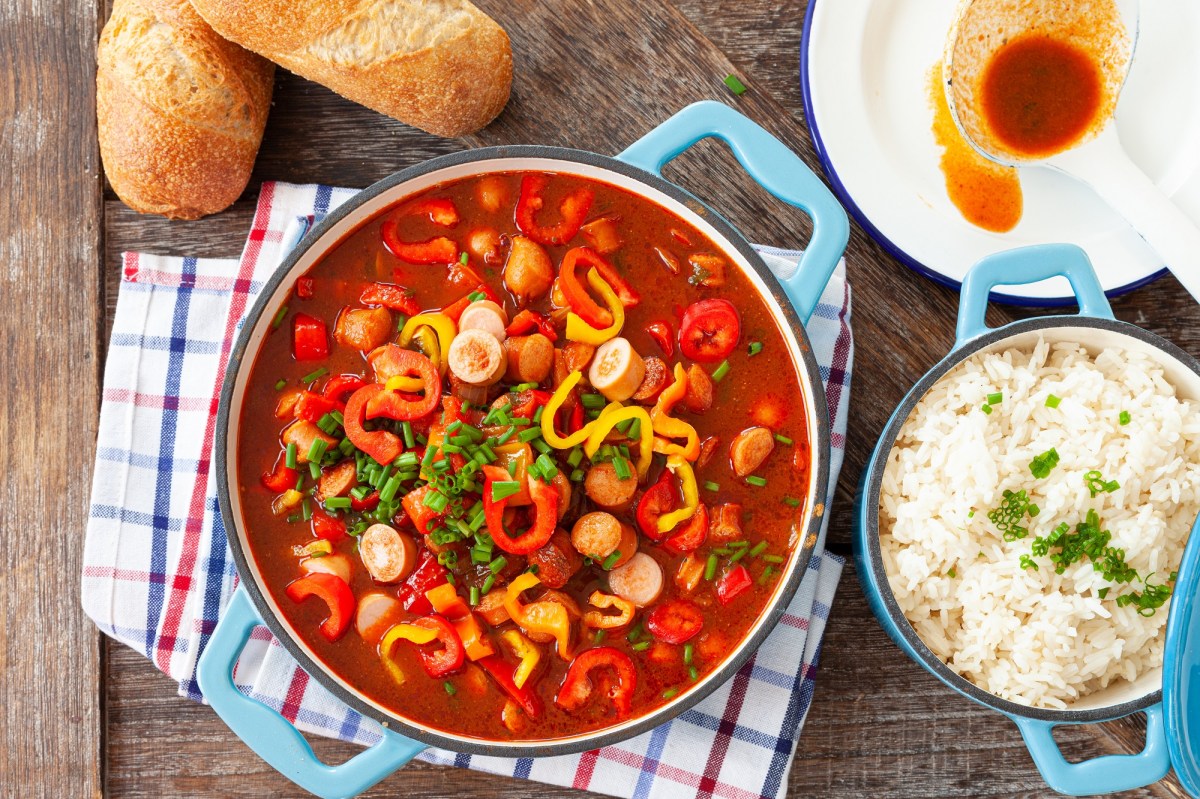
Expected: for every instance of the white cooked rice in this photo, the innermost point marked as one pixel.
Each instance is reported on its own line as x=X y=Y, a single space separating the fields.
x=1036 y=637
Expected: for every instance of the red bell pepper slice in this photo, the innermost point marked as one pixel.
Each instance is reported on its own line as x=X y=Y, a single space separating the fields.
x=545 y=503
x=310 y=338
x=577 y=416
x=659 y=499
x=448 y=659
x=424 y=518
x=675 y=621
x=281 y=479
x=381 y=445
x=735 y=582
x=334 y=592
x=440 y=210
x=663 y=337
x=502 y=672
x=527 y=321
x=368 y=503
x=710 y=330
x=339 y=385
x=573 y=210
x=691 y=534
x=577 y=687
x=304 y=288
x=331 y=528
x=440 y=250
x=402 y=406
x=528 y=406
x=389 y=295
x=454 y=310
x=428 y=574
x=575 y=291
x=311 y=407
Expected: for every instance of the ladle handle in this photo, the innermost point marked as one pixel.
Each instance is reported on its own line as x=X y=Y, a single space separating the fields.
x=1103 y=164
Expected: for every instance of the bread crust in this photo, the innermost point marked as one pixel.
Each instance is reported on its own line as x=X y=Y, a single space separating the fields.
x=439 y=65
x=180 y=110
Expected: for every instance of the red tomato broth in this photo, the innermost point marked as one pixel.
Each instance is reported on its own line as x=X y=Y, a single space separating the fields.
x=361 y=259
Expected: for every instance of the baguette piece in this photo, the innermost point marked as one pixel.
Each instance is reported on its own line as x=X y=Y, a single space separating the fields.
x=439 y=65
x=181 y=111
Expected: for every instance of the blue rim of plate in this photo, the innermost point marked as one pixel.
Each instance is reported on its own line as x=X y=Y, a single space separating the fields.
x=903 y=257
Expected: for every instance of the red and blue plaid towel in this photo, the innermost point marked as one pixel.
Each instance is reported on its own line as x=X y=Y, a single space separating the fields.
x=157 y=568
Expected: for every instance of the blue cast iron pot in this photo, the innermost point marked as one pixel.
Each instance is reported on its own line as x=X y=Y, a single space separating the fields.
x=1095 y=328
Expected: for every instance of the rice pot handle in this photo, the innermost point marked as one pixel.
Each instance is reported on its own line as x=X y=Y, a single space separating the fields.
x=776 y=168
x=270 y=735
x=1107 y=774
x=1027 y=265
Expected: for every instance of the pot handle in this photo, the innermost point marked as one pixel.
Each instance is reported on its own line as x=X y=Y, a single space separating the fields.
x=1101 y=775
x=270 y=735
x=774 y=167
x=1027 y=265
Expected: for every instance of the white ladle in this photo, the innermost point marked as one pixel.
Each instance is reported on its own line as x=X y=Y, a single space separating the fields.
x=1109 y=29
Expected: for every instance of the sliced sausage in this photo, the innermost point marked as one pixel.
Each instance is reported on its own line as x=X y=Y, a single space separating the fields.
x=476 y=357
x=557 y=561
x=492 y=192
x=573 y=612
x=303 y=433
x=708 y=269
x=601 y=234
x=491 y=607
x=337 y=481
x=699 y=396
x=596 y=535
x=563 y=484
x=628 y=546
x=388 y=555
x=655 y=379
x=484 y=244
x=363 y=328
x=688 y=575
x=708 y=448
x=577 y=354
x=530 y=358
x=640 y=580
x=750 y=448
x=377 y=612
x=528 y=273
x=336 y=564
x=606 y=489
x=617 y=369
x=725 y=523
x=476 y=395
x=484 y=315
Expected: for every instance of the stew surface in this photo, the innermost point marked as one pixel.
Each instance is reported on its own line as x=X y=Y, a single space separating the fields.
x=531 y=454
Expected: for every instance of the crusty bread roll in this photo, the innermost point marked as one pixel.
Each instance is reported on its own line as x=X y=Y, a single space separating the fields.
x=440 y=65
x=181 y=111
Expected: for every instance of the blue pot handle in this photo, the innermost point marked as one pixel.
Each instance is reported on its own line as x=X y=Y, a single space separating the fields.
x=776 y=168
x=1107 y=774
x=1027 y=265
x=270 y=735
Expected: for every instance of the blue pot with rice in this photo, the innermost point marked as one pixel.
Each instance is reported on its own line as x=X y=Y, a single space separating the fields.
x=1019 y=525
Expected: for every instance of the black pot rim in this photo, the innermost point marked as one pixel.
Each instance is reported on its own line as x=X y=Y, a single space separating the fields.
x=873 y=488
x=791 y=325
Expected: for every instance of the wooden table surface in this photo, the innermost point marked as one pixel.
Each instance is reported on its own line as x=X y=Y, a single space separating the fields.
x=83 y=716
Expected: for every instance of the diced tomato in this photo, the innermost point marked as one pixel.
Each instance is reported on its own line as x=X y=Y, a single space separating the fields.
x=281 y=479
x=428 y=574
x=334 y=592
x=675 y=621
x=304 y=288
x=735 y=582
x=310 y=338
x=331 y=528
x=663 y=337
x=423 y=516
x=577 y=686
x=572 y=211
x=440 y=250
x=368 y=503
x=312 y=407
x=502 y=672
x=659 y=499
x=526 y=321
x=710 y=330
x=389 y=295
x=440 y=210
x=340 y=385
x=691 y=534
x=381 y=445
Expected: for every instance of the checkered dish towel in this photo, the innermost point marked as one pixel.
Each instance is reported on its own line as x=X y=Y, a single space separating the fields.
x=158 y=571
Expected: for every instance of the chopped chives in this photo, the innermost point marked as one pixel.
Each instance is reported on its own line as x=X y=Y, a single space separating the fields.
x=314 y=469
x=791 y=501
x=577 y=475
x=474 y=598
x=621 y=466
x=280 y=384
x=719 y=373
x=575 y=458
x=338 y=503
x=758 y=549
x=292 y=519
x=592 y=402
x=641 y=646
x=689 y=651
x=316 y=374
x=741 y=553
x=498 y=564
x=382 y=477
x=598 y=637
x=487 y=452
x=434 y=500
x=488 y=583
x=541 y=446
x=537 y=414
x=407 y=431
x=710 y=567
x=519 y=387
x=755 y=480
x=408 y=460
x=505 y=436
x=279 y=315
x=525 y=436
x=1052 y=401
x=360 y=492
x=317 y=450
x=635 y=429
x=338 y=417
x=711 y=486
x=289 y=460
x=668 y=693
x=755 y=348
x=1124 y=418
x=502 y=489
x=773 y=558
x=634 y=633
x=782 y=439
x=388 y=492
x=766 y=575
x=987 y=409
x=449 y=686
x=306 y=510
x=479 y=555
x=693 y=673
x=734 y=85
x=995 y=398
x=611 y=560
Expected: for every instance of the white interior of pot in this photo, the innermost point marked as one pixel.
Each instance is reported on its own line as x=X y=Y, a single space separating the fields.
x=815 y=494
x=1187 y=385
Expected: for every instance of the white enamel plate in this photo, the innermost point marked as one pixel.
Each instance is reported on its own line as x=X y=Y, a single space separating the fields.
x=864 y=70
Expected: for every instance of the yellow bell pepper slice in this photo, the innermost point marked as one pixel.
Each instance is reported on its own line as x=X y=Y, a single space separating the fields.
x=539 y=617
x=556 y=401
x=402 y=632
x=691 y=494
x=669 y=427
x=603 y=621
x=441 y=324
x=526 y=651
x=613 y=415
x=406 y=383
x=579 y=330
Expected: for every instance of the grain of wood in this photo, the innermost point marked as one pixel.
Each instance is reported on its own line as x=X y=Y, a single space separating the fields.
x=596 y=75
